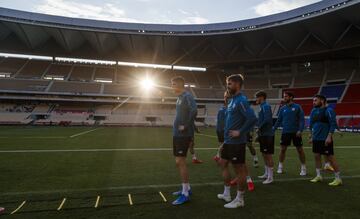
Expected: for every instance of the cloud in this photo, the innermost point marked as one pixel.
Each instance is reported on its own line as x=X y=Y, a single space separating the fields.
x=192 y=18
x=268 y=7
x=68 y=8
x=111 y=12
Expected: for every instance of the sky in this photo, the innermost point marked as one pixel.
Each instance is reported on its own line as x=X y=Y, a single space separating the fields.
x=158 y=11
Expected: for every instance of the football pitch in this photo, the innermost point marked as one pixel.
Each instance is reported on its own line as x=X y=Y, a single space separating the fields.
x=123 y=172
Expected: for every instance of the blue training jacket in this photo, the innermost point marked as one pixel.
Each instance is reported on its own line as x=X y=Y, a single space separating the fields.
x=239 y=116
x=185 y=115
x=265 y=121
x=291 y=118
x=220 y=123
x=322 y=122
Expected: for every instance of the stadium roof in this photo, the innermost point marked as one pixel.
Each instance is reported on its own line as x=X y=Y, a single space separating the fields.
x=323 y=28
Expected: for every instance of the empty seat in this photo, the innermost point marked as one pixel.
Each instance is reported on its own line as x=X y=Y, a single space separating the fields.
x=334 y=91
x=303 y=92
x=352 y=93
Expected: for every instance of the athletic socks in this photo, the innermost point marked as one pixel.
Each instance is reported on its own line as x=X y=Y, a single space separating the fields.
x=248 y=179
x=337 y=175
x=185 y=189
x=327 y=164
x=280 y=165
x=240 y=195
x=269 y=172
x=194 y=157
x=303 y=167
x=266 y=170
x=227 y=190
x=318 y=172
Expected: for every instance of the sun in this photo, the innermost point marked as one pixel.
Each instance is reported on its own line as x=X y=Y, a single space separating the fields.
x=147 y=84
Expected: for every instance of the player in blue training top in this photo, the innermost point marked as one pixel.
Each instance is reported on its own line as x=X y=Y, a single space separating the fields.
x=183 y=135
x=322 y=127
x=265 y=136
x=239 y=120
x=292 y=120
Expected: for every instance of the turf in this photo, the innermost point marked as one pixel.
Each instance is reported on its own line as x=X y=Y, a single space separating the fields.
x=44 y=178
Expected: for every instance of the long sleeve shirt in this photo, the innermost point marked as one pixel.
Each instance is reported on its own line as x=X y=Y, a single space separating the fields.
x=220 y=122
x=265 y=121
x=186 y=110
x=240 y=117
x=291 y=118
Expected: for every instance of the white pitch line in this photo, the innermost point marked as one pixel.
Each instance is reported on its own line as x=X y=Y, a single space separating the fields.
x=210 y=136
x=96 y=150
x=133 y=149
x=34 y=137
x=85 y=132
x=163 y=186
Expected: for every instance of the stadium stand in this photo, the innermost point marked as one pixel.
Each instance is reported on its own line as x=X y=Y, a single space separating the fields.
x=23 y=85
x=34 y=69
x=12 y=65
x=75 y=87
x=340 y=70
x=82 y=73
x=102 y=73
x=59 y=70
x=352 y=93
x=309 y=74
x=303 y=92
x=332 y=91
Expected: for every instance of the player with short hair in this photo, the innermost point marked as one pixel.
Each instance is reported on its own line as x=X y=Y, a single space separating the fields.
x=265 y=136
x=183 y=135
x=291 y=118
x=240 y=119
x=322 y=128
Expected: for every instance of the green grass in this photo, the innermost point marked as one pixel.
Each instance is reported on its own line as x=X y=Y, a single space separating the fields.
x=43 y=179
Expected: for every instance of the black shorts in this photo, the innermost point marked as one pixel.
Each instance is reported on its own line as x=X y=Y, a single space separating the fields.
x=220 y=136
x=267 y=144
x=319 y=147
x=181 y=145
x=286 y=139
x=249 y=137
x=234 y=153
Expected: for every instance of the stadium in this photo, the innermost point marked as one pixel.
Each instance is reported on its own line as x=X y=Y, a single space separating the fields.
x=87 y=108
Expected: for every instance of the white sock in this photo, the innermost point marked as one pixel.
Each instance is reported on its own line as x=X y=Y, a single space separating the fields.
x=227 y=190
x=337 y=175
x=280 y=165
x=270 y=173
x=327 y=164
x=303 y=167
x=248 y=179
x=240 y=195
x=318 y=172
x=194 y=156
x=266 y=171
x=185 y=189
